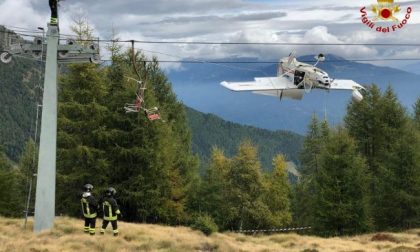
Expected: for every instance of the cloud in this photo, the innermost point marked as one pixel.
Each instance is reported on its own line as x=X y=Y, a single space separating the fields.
x=324 y=21
x=19 y=13
x=242 y=17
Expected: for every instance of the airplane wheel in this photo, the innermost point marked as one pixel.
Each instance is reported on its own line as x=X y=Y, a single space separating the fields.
x=94 y=60
x=6 y=57
x=93 y=47
x=63 y=54
x=36 y=54
x=71 y=41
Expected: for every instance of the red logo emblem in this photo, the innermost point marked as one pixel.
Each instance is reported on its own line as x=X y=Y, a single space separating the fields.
x=385 y=11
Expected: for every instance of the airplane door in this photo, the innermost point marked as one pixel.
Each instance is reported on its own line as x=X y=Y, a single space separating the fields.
x=298 y=77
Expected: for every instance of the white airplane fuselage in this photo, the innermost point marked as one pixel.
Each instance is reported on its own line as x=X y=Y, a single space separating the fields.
x=300 y=72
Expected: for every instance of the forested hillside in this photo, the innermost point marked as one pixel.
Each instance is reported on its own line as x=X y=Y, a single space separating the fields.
x=210 y=131
x=17 y=104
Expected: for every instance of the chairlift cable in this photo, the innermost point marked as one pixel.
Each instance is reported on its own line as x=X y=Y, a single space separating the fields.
x=226 y=43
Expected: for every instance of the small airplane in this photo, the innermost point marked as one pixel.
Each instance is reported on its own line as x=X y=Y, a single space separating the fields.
x=294 y=78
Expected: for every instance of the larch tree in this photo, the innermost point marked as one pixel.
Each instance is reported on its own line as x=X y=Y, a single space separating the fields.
x=378 y=124
x=341 y=205
x=303 y=200
x=278 y=193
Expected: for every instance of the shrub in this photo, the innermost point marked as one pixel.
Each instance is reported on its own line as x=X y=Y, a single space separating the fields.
x=205 y=224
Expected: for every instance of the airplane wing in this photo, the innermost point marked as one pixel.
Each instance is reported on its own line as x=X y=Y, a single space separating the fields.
x=349 y=85
x=260 y=84
x=295 y=94
x=345 y=85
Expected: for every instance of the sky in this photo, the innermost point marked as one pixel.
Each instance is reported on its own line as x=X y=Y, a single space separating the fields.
x=302 y=21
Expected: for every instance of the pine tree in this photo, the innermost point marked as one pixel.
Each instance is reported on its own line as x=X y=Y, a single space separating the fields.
x=311 y=148
x=81 y=117
x=401 y=190
x=11 y=188
x=417 y=113
x=303 y=201
x=378 y=124
x=341 y=190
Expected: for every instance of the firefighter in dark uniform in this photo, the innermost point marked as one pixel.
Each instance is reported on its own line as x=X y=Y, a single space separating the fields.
x=89 y=209
x=110 y=210
x=54 y=11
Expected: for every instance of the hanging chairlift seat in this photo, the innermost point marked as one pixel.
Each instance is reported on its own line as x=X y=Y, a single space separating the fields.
x=134 y=107
x=152 y=114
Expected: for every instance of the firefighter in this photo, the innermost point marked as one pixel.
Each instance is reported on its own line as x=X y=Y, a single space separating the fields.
x=54 y=12
x=110 y=210
x=89 y=209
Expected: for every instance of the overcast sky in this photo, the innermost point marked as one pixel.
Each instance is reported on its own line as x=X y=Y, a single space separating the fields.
x=323 y=21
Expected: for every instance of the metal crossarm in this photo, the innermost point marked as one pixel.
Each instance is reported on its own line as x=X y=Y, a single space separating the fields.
x=72 y=52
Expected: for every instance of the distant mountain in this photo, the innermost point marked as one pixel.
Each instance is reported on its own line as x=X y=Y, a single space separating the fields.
x=197 y=85
x=412 y=68
x=209 y=131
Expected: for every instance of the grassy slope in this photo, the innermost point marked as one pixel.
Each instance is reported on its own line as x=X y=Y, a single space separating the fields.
x=68 y=236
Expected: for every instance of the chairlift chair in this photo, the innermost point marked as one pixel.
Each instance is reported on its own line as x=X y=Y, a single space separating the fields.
x=134 y=107
x=152 y=114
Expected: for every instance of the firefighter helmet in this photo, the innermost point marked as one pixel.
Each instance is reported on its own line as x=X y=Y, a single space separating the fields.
x=88 y=187
x=111 y=191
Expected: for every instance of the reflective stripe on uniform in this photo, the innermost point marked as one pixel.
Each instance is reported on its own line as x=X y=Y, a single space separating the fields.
x=92 y=230
x=86 y=209
x=108 y=212
x=115 y=231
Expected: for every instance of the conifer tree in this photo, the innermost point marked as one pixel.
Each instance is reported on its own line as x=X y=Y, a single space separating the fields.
x=311 y=148
x=379 y=123
x=246 y=187
x=417 y=113
x=81 y=116
x=28 y=165
x=341 y=188
x=214 y=189
x=401 y=190
x=304 y=191
x=11 y=188
x=277 y=193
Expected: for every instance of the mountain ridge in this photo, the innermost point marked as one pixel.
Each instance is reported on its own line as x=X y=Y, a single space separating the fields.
x=209 y=130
